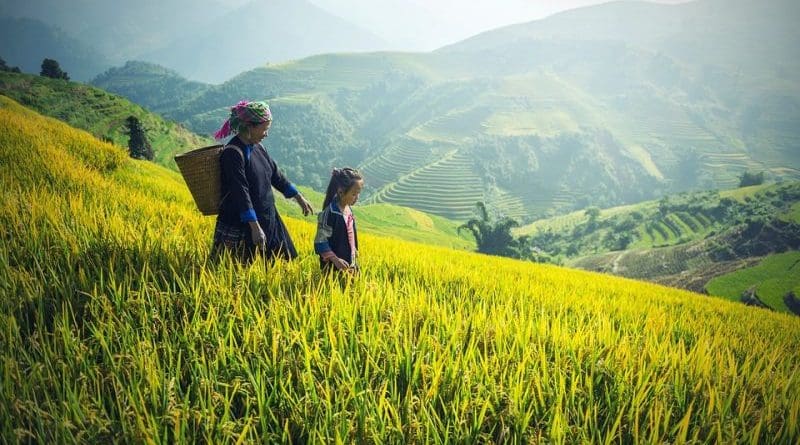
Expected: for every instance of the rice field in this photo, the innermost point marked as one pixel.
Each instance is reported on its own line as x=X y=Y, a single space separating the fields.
x=114 y=327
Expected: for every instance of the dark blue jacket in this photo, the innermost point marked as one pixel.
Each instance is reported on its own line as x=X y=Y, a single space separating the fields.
x=332 y=235
x=247 y=181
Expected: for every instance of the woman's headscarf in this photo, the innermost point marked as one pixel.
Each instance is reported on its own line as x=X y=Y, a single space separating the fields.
x=244 y=114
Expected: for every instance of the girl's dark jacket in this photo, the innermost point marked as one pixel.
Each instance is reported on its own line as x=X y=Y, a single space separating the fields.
x=332 y=235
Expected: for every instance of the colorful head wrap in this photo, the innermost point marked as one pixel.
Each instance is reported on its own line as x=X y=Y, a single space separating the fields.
x=243 y=114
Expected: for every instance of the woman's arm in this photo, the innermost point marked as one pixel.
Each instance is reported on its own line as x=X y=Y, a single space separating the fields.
x=282 y=184
x=232 y=164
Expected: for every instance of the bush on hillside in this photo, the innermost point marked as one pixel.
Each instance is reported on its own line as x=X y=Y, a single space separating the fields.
x=749 y=178
x=138 y=144
x=51 y=69
x=9 y=69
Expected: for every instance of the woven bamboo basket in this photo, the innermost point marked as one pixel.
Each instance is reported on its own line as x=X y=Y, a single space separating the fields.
x=201 y=171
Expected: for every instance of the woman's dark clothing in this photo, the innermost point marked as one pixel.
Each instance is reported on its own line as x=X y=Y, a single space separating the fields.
x=247 y=179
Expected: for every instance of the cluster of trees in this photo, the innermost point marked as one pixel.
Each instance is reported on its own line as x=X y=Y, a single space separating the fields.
x=51 y=69
x=4 y=67
x=749 y=178
x=138 y=145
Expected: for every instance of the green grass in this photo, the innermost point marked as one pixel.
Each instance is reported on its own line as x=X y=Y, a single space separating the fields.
x=773 y=278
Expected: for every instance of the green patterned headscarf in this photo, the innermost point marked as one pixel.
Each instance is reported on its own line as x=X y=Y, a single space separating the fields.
x=243 y=115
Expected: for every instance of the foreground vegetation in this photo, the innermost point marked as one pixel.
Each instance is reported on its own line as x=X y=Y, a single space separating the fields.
x=115 y=328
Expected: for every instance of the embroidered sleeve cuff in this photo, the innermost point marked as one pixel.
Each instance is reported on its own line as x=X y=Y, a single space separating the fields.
x=248 y=215
x=291 y=192
x=322 y=248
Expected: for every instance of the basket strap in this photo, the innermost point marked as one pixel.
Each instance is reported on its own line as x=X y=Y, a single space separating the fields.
x=238 y=150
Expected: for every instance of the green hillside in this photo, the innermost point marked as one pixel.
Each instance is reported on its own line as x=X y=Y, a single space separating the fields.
x=115 y=328
x=683 y=240
x=393 y=221
x=100 y=113
x=103 y=115
x=771 y=280
x=538 y=119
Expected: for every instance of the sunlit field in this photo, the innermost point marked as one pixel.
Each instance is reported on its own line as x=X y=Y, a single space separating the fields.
x=115 y=328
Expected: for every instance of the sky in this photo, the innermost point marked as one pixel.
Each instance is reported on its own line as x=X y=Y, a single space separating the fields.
x=424 y=25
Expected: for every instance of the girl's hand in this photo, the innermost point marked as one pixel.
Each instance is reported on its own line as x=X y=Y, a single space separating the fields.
x=340 y=264
x=304 y=204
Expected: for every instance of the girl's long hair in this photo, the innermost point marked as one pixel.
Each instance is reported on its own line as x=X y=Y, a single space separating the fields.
x=341 y=179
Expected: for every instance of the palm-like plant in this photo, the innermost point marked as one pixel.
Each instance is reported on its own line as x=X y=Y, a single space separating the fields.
x=494 y=237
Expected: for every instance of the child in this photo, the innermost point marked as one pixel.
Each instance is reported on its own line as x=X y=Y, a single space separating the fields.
x=337 y=242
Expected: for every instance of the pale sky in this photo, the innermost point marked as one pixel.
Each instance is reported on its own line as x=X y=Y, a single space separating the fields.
x=429 y=24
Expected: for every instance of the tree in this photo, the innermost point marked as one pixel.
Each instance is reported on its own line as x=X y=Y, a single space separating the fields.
x=494 y=236
x=51 y=69
x=751 y=178
x=10 y=69
x=138 y=145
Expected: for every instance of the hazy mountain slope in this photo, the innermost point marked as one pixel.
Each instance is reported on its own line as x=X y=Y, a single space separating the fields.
x=204 y=40
x=256 y=33
x=26 y=43
x=537 y=124
x=152 y=86
x=123 y=29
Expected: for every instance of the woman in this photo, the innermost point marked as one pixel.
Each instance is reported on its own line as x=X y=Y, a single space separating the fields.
x=248 y=220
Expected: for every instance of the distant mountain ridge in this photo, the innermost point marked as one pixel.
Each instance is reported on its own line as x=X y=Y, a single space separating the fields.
x=536 y=125
x=204 y=40
x=27 y=42
x=539 y=118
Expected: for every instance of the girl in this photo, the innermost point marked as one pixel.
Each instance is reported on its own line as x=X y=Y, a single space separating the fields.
x=337 y=242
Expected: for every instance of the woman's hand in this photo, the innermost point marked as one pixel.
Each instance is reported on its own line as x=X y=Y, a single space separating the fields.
x=257 y=235
x=304 y=204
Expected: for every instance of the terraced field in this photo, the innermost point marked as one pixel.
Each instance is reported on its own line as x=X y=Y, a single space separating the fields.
x=727 y=167
x=507 y=204
x=677 y=227
x=400 y=158
x=453 y=127
x=448 y=187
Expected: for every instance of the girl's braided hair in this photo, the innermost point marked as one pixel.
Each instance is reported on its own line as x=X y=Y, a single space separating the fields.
x=341 y=179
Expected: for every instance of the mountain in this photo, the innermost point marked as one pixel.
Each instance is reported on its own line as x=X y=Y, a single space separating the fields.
x=740 y=35
x=116 y=325
x=260 y=32
x=210 y=42
x=600 y=106
x=26 y=43
x=123 y=29
x=417 y=25
x=164 y=87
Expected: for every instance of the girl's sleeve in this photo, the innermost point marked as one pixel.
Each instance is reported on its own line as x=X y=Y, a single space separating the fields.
x=322 y=240
x=238 y=189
